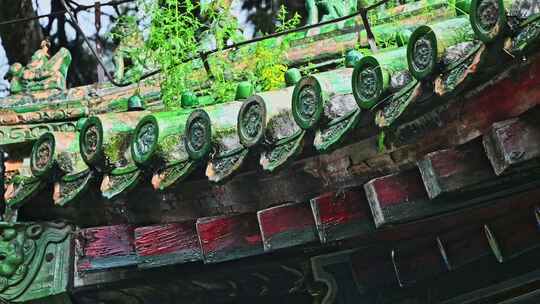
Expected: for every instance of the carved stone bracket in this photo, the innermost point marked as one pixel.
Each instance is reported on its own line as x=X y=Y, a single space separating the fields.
x=35 y=260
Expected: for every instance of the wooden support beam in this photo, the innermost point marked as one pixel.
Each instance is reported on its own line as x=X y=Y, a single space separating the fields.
x=462 y=246
x=512 y=143
x=103 y=248
x=341 y=215
x=513 y=235
x=373 y=268
x=287 y=225
x=518 y=289
x=401 y=197
x=414 y=262
x=335 y=272
x=508 y=94
x=455 y=170
x=395 y=197
x=168 y=244
x=479 y=214
x=229 y=237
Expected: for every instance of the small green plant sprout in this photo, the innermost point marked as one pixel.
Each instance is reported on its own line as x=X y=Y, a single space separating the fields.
x=180 y=30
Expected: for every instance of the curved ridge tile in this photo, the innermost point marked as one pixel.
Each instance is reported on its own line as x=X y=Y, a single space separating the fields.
x=492 y=22
x=105 y=146
x=275 y=130
x=56 y=157
x=213 y=133
x=120 y=180
x=380 y=74
x=397 y=104
x=433 y=46
x=324 y=103
x=23 y=186
x=459 y=73
x=158 y=144
x=228 y=153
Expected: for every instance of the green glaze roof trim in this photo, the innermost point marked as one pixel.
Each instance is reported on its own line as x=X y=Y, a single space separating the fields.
x=271 y=124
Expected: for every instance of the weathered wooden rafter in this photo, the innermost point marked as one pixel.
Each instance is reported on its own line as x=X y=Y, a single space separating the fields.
x=322 y=106
x=488 y=225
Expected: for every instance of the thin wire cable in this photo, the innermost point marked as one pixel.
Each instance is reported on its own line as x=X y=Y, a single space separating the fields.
x=361 y=12
x=58 y=13
x=94 y=52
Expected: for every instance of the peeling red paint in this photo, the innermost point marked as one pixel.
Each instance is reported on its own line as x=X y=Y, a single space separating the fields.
x=399 y=188
x=284 y=218
x=223 y=234
x=164 y=239
x=107 y=241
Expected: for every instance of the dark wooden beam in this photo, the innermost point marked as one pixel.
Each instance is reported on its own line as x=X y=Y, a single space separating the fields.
x=513 y=235
x=417 y=261
x=512 y=143
x=397 y=196
x=373 y=268
x=455 y=170
x=341 y=215
x=229 y=237
x=287 y=225
x=401 y=197
x=335 y=273
x=104 y=248
x=519 y=289
x=462 y=246
x=168 y=244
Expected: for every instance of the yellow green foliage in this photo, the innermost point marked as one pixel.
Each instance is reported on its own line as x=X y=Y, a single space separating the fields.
x=178 y=34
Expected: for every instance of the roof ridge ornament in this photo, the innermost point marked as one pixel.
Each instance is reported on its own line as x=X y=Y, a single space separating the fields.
x=42 y=73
